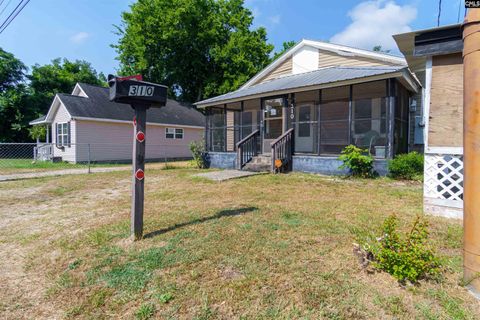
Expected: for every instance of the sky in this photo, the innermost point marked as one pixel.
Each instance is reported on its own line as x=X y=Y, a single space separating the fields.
x=84 y=29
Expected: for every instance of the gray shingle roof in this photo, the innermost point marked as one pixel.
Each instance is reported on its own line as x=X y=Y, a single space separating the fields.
x=38 y=120
x=98 y=105
x=312 y=78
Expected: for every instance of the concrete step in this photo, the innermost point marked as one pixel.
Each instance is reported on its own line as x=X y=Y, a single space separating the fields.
x=256 y=167
x=261 y=159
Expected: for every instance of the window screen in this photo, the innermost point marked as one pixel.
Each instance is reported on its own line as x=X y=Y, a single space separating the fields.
x=334 y=120
x=369 y=103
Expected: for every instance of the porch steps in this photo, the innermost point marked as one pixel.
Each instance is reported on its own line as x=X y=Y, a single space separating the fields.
x=260 y=163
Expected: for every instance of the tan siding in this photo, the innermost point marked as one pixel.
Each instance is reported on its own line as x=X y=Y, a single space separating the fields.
x=230 y=131
x=67 y=153
x=328 y=59
x=283 y=69
x=445 y=127
x=113 y=141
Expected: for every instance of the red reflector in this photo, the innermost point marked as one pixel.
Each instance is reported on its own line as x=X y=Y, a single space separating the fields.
x=137 y=77
x=139 y=174
x=140 y=136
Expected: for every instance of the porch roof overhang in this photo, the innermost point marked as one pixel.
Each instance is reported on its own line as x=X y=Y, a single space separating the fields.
x=318 y=79
x=38 y=121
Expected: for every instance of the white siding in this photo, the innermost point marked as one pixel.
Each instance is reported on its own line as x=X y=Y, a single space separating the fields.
x=110 y=141
x=66 y=153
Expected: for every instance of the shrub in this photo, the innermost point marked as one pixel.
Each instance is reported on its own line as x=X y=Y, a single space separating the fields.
x=198 y=152
x=406 y=166
x=358 y=161
x=408 y=257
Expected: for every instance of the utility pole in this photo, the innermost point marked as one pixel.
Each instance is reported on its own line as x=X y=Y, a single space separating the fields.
x=471 y=150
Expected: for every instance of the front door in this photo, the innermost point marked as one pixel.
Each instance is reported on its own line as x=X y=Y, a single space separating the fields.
x=273 y=122
x=305 y=128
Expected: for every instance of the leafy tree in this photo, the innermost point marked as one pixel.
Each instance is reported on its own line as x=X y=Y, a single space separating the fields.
x=59 y=77
x=199 y=48
x=12 y=71
x=14 y=114
x=285 y=47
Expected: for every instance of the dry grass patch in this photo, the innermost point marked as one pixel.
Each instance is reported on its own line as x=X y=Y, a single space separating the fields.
x=263 y=247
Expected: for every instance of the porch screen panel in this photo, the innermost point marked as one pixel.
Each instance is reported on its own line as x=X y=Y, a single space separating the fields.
x=217 y=129
x=369 y=121
x=400 y=136
x=334 y=120
x=232 y=125
x=304 y=119
x=250 y=117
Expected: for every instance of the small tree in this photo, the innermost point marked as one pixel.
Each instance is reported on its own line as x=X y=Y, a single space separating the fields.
x=358 y=161
x=408 y=257
x=198 y=153
x=37 y=132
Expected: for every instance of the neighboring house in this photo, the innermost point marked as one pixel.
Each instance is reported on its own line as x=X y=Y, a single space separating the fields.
x=313 y=101
x=435 y=55
x=85 y=126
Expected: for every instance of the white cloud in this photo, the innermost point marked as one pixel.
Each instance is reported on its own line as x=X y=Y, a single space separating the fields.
x=374 y=22
x=79 y=37
x=274 y=20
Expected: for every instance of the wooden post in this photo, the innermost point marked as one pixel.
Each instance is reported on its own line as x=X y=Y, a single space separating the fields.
x=471 y=137
x=138 y=181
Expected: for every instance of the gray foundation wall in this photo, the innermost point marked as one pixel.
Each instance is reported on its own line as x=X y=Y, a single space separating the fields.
x=310 y=164
x=329 y=165
x=221 y=160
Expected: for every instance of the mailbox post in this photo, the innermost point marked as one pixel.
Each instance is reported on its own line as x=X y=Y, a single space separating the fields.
x=140 y=95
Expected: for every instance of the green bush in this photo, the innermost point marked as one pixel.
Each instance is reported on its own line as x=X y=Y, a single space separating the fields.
x=358 y=161
x=198 y=153
x=408 y=257
x=406 y=166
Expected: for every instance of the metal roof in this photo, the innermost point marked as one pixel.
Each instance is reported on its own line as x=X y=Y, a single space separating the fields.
x=307 y=79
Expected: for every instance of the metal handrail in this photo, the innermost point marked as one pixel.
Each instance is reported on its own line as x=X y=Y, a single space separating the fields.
x=282 y=149
x=247 y=149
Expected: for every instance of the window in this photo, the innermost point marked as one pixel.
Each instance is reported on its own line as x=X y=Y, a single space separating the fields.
x=63 y=134
x=174 y=133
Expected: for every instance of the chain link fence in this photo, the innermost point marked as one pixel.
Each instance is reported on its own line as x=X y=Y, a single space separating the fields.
x=29 y=158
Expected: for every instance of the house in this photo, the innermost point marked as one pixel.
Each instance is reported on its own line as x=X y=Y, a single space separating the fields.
x=435 y=56
x=301 y=111
x=86 y=126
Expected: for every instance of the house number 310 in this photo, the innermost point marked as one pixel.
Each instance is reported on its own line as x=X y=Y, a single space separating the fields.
x=141 y=91
x=292 y=111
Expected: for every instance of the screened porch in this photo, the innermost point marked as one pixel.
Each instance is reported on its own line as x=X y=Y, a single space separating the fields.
x=371 y=115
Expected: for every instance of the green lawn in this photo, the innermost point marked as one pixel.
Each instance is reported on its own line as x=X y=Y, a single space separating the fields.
x=9 y=166
x=263 y=247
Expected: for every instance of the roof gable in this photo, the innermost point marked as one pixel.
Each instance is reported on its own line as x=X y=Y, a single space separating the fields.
x=340 y=50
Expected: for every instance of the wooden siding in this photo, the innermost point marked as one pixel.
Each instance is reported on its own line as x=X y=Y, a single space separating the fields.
x=328 y=59
x=446 y=102
x=283 y=69
x=110 y=141
x=230 y=131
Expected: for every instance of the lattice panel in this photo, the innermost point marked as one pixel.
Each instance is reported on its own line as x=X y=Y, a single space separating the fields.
x=444 y=176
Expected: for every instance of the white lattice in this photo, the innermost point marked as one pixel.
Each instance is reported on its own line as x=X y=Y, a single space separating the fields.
x=444 y=176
